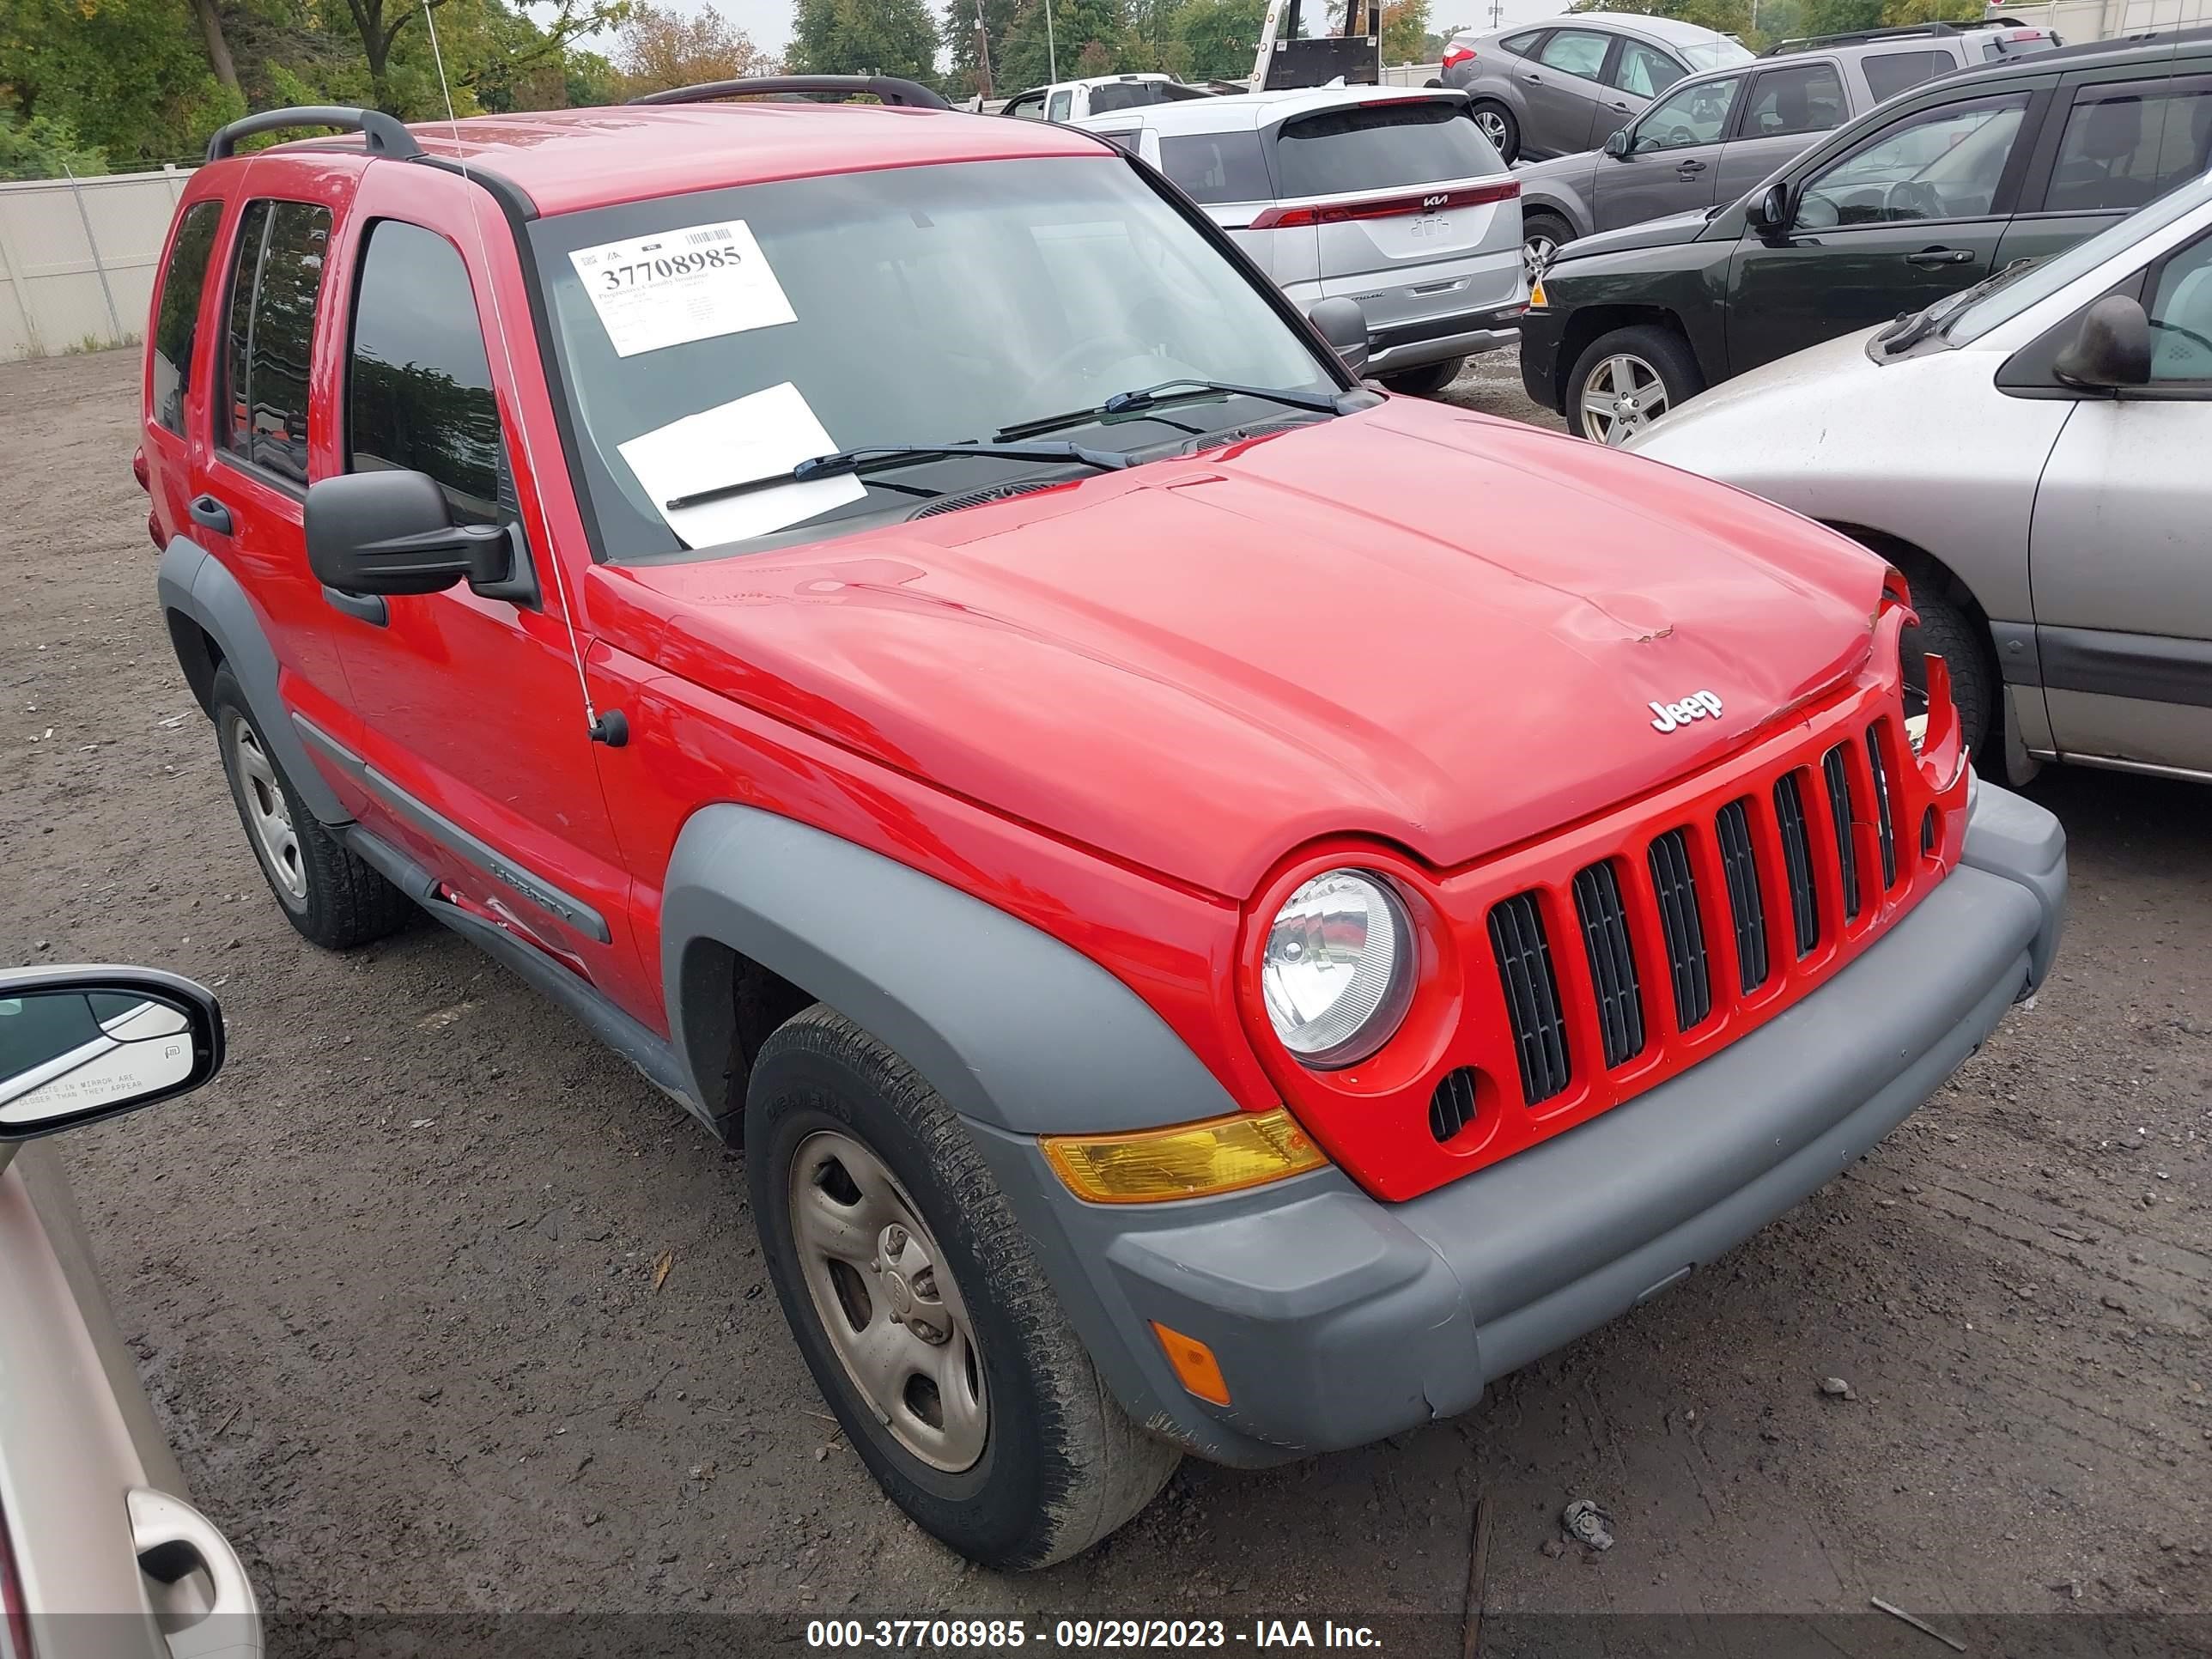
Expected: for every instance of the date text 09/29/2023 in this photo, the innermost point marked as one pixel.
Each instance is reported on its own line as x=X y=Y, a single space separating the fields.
x=998 y=1635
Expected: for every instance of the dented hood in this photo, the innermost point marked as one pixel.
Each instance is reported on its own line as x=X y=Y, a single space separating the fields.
x=1414 y=624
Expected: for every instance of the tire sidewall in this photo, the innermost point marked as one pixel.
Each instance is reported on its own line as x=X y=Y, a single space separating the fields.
x=1667 y=353
x=231 y=711
x=992 y=1505
x=1511 y=146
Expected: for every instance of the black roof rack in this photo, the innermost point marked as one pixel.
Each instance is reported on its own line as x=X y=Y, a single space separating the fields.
x=890 y=88
x=1898 y=32
x=384 y=134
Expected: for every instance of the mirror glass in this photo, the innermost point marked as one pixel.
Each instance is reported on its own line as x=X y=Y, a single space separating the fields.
x=67 y=1055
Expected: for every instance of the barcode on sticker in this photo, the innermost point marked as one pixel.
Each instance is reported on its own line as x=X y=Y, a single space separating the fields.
x=718 y=234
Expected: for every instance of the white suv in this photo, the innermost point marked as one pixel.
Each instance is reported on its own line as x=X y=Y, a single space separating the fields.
x=1391 y=199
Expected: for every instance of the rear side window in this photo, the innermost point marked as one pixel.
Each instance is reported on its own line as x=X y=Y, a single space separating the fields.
x=1217 y=166
x=1518 y=44
x=2128 y=146
x=1575 y=52
x=1889 y=73
x=1804 y=98
x=1644 y=71
x=1061 y=101
x=276 y=283
x=1125 y=94
x=176 y=323
x=1128 y=138
x=1381 y=147
x=419 y=395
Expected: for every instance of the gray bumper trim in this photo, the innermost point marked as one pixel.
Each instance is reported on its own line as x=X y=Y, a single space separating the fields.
x=1339 y=1320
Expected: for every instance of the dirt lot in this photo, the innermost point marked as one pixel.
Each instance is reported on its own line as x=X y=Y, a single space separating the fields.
x=391 y=1278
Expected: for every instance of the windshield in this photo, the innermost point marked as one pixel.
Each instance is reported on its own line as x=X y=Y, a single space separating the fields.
x=1719 y=52
x=710 y=339
x=2002 y=305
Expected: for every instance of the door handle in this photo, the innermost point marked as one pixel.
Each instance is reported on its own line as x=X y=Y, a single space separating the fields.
x=1686 y=169
x=1939 y=256
x=194 y=1579
x=210 y=515
x=1534 y=79
x=362 y=607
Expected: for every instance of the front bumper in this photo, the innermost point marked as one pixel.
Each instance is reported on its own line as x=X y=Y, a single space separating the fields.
x=1540 y=331
x=1338 y=1320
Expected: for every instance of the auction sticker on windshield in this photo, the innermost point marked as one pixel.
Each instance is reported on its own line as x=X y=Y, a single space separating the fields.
x=682 y=285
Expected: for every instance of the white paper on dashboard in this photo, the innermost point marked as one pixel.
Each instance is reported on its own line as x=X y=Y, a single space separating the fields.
x=755 y=437
x=682 y=285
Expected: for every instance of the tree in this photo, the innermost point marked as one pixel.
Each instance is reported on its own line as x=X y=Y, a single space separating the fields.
x=973 y=54
x=866 y=37
x=1406 y=32
x=131 y=77
x=44 y=147
x=1220 y=36
x=1028 y=54
x=659 y=48
x=497 y=47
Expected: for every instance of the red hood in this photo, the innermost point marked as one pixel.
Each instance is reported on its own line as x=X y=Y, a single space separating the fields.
x=1412 y=624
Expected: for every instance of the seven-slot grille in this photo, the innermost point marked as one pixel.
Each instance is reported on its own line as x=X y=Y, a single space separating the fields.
x=1680 y=907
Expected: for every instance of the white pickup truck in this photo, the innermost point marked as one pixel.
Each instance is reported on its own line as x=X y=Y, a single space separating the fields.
x=1100 y=94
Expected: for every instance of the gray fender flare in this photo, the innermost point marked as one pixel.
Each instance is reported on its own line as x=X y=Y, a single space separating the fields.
x=1554 y=195
x=193 y=583
x=1013 y=1027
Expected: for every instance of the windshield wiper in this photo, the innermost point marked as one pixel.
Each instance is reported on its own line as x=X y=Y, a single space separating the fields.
x=1150 y=396
x=1911 y=327
x=860 y=462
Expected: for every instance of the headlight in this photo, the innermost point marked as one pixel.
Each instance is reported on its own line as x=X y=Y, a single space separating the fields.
x=1338 y=971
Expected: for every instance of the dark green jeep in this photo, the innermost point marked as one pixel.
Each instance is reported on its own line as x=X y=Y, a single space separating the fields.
x=1918 y=198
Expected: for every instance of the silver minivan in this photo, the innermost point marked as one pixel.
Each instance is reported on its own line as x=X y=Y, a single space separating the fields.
x=2030 y=452
x=1388 y=197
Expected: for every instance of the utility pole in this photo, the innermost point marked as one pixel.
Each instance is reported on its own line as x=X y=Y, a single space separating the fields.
x=983 y=50
x=1051 y=54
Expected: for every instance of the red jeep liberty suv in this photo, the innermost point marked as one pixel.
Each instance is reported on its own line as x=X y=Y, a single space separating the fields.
x=1225 y=910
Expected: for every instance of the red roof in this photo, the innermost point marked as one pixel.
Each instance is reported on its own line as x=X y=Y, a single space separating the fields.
x=570 y=159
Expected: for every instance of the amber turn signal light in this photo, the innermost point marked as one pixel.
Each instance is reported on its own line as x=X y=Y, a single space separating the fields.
x=1189 y=1161
x=1195 y=1367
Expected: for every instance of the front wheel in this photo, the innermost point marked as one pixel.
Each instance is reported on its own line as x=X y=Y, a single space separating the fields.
x=1495 y=123
x=1628 y=378
x=921 y=1312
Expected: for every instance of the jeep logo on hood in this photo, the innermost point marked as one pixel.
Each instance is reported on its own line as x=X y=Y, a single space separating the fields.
x=1698 y=706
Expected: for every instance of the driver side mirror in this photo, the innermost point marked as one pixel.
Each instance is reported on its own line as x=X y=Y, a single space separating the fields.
x=81 y=1044
x=1769 y=210
x=1617 y=143
x=2109 y=349
x=392 y=532
x=1344 y=326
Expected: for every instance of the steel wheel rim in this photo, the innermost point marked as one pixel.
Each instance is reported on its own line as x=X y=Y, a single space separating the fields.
x=887 y=1302
x=1621 y=396
x=1491 y=125
x=1537 y=253
x=268 y=814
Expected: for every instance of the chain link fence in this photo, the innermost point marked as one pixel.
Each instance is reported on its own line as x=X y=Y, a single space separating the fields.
x=78 y=259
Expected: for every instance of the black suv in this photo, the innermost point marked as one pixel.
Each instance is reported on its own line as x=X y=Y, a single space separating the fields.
x=1923 y=195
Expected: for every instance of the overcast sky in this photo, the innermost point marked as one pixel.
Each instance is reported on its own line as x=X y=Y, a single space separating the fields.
x=768 y=21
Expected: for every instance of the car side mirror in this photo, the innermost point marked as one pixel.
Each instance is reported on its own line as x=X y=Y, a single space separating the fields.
x=2109 y=349
x=392 y=532
x=1344 y=326
x=1617 y=143
x=1769 y=210
x=81 y=1044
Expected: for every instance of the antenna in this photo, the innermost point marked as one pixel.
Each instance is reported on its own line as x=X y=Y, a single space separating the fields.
x=613 y=730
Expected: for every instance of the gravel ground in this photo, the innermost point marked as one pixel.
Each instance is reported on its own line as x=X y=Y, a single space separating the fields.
x=392 y=1277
